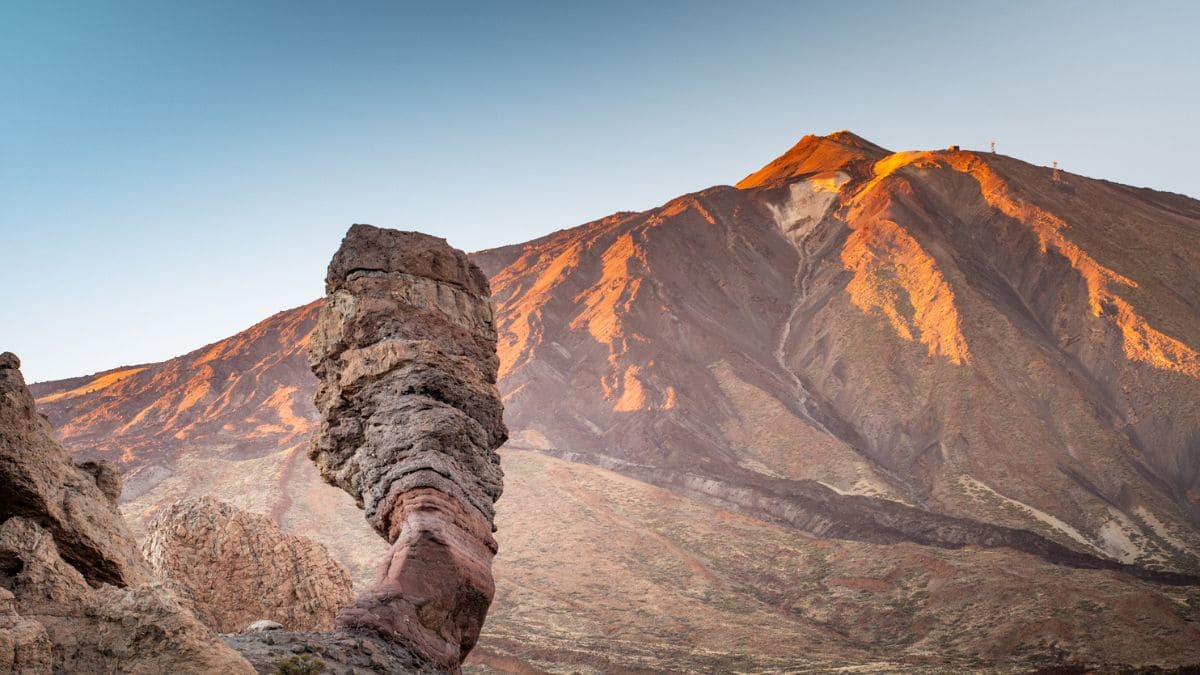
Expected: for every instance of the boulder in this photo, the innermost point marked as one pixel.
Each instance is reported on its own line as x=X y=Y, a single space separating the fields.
x=231 y=567
x=24 y=644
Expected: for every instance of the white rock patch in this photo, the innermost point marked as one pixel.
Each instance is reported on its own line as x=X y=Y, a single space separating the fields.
x=1116 y=536
x=807 y=204
x=977 y=489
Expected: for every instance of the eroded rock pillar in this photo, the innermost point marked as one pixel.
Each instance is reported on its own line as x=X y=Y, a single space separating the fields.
x=405 y=351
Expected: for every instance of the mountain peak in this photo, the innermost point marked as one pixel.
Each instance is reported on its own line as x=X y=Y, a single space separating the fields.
x=839 y=151
x=849 y=138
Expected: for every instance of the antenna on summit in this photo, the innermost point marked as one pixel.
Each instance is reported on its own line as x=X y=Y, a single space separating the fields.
x=993 y=147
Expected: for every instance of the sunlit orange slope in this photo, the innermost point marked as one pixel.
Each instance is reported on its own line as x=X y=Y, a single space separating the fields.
x=246 y=390
x=814 y=155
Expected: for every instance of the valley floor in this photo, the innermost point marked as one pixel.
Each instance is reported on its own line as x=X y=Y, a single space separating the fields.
x=598 y=572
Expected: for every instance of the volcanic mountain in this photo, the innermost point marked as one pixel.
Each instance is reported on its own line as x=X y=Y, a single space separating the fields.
x=814 y=407
x=850 y=329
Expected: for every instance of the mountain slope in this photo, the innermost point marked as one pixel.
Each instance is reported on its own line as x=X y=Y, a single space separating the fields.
x=912 y=351
x=953 y=331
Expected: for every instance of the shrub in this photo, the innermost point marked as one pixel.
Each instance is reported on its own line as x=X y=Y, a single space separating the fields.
x=301 y=664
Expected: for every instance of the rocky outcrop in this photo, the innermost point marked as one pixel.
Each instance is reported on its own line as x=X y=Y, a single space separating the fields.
x=75 y=595
x=405 y=351
x=232 y=567
x=77 y=504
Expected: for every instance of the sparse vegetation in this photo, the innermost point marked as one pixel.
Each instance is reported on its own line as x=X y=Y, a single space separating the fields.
x=300 y=664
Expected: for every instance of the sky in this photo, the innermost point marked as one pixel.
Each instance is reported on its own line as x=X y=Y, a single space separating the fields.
x=172 y=172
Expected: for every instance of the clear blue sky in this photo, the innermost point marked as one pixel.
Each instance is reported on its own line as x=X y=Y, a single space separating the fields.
x=173 y=171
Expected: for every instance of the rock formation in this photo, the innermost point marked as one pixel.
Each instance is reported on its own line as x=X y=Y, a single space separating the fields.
x=404 y=350
x=232 y=567
x=340 y=652
x=77 y=504
x=75 y=595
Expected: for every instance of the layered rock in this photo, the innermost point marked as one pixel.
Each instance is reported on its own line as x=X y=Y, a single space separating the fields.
x=405 y=352
x=75 y=594
x=232 y=567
